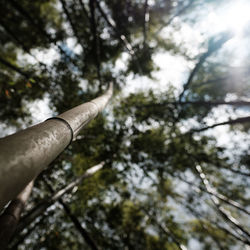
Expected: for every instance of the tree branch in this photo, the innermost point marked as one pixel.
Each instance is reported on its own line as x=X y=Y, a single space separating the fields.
x=63 y=3
x=165 y=230
x=112 y=24
x=37 y=26
x=212 y=222
x=178 y=13
x=74 y=219
x=21 y=44
x=216 y=194
x=145 y=23
x=15 y=68
x=211 y=49
x=199 y=103
x=230 y=122
x=96 y=47
x=43 y=205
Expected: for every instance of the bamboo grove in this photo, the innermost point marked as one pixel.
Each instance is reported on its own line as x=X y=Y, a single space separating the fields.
x=127 y=157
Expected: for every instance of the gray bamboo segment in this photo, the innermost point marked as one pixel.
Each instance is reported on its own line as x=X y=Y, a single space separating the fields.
x=10 y=217
x=43 y=205
x=25 y=154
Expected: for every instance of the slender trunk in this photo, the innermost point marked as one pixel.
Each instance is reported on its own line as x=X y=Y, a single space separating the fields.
x=212 y=222
x=42 y=206
x=84 y=10
x=112 y=24
x=75 y=220
x=230 y=122
x=198 y=103
x=74 y=29
x=216 y=194
x=11 y=215
x=225 y=214
x=96 y=47
x=122 y=37
x=145 y=23
x=79 y=227
x=29 y=151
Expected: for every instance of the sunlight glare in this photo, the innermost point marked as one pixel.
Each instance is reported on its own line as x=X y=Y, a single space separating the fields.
x=235 y=16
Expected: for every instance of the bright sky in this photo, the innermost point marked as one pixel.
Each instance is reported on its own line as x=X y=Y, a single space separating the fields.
x=232 y=15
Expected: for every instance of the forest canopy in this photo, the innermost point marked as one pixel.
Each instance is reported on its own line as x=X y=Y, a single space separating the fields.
x=171 y=147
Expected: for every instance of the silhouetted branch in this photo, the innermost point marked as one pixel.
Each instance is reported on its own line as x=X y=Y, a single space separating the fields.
x=74 y=220
x=42 y=206
x=112 y=24
x=96 y=47
x=122 y=37
x=21 y=44
x=37 y=26
x=230 y=122
x=15 y=242
x=211 y=49
x=64 y=5
x=178 y=13
x=198 y=103
x=84 y=9
x=15 y=68
x=145 y=23
x=165 y=230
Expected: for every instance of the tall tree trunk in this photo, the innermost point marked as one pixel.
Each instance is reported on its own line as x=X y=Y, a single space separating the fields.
x=25 y=154
x=11 y=215
x=43 y=205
